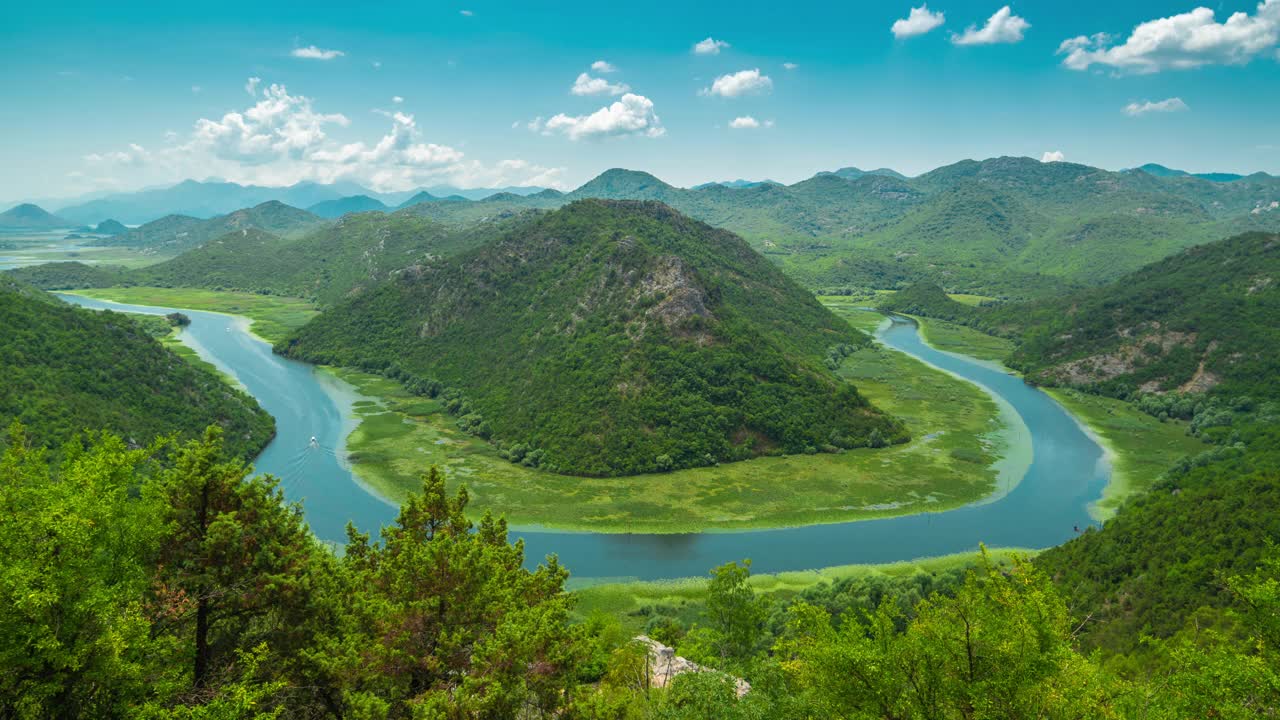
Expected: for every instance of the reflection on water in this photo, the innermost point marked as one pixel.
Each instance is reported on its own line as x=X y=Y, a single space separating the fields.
x=1066 y=473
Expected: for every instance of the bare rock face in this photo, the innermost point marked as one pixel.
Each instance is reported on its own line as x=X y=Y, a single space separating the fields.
x=665 y=665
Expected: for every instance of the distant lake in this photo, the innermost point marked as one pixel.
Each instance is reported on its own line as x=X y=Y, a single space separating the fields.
x=20 y=248
x=1067 y=472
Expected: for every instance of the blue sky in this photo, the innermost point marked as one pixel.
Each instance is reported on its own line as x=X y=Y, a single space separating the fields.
x=119 y=96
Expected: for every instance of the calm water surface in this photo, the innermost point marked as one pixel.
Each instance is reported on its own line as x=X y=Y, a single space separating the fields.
x=1067 y=473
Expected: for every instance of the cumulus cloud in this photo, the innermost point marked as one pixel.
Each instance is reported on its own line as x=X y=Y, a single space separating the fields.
x=746 y=122
x=710 y=46
x=1180 y=42
x=1053 y=156
x=1173 y=104
x=1003 y=27
x=283 y=139
x=311 y=52
x=466 y=13
x=743 y=82
x=789 y=66
x=631 y=115
x=397 y=99
x=587 y=85
x=918 y=22
x=251 y=85
x=603 y=67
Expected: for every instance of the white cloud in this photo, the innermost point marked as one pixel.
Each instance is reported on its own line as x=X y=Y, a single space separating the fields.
x=282 y=139
x=743 y=82
x=397 y=99
x=1173 y=104
x=746 y=122
x=632 y=115
x=587 y=85
x=1180 y=42
x=135 y=155
x=1003 y=27
x=251 y=85
x=311 y=52
x=789 y=66
x=1053 y=156
x=918 y=22
x=196 y=89
x=603 y=67
x=710 y=46
x=466 y=13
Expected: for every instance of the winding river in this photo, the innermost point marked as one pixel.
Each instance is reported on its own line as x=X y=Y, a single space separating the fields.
x=1067 y=472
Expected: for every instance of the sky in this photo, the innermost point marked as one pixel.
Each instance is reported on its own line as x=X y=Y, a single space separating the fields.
x=118 y=96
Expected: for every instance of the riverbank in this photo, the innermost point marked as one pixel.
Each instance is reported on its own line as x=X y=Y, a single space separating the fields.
x=271 y=317
x=1141 y=447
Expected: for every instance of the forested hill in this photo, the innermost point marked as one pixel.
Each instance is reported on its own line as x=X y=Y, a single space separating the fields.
x=68 y=370
x=1202 y=320
x=174 y=233
x=612 y=338
x=325 y=265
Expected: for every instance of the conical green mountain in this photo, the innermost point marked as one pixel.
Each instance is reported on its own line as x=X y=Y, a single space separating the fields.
x=609 y=338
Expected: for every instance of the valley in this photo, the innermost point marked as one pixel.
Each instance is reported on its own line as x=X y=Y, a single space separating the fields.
x=641 y=396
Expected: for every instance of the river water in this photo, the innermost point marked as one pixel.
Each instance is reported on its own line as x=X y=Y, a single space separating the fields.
x=1067 y=472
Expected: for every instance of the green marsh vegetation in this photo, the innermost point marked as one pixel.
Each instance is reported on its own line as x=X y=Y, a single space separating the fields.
x=272 y=317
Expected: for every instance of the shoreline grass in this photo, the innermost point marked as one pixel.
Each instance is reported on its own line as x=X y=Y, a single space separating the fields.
x=271 y=317
x=1140 y=447
x=627 y=600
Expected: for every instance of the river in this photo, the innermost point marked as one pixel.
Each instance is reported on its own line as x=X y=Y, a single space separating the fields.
x=1068 y=471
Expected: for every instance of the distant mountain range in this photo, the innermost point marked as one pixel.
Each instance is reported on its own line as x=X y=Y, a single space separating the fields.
x=31 y=217
x=1009 y=226
x=176 y=233
x=737 y=184
x=1003 y=226
x=1162 y=171
x=211 y=198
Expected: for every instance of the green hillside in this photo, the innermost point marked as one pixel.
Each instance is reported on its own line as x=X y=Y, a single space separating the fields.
x=337 y=208
x=612 y=338
x=1202 y=320
x=67 y=275
x=175 y=233
x=69 y=370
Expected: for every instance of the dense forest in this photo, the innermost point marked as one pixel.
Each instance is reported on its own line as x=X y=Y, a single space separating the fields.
x=612 y=338
x=67 y=371
x=166 y=582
